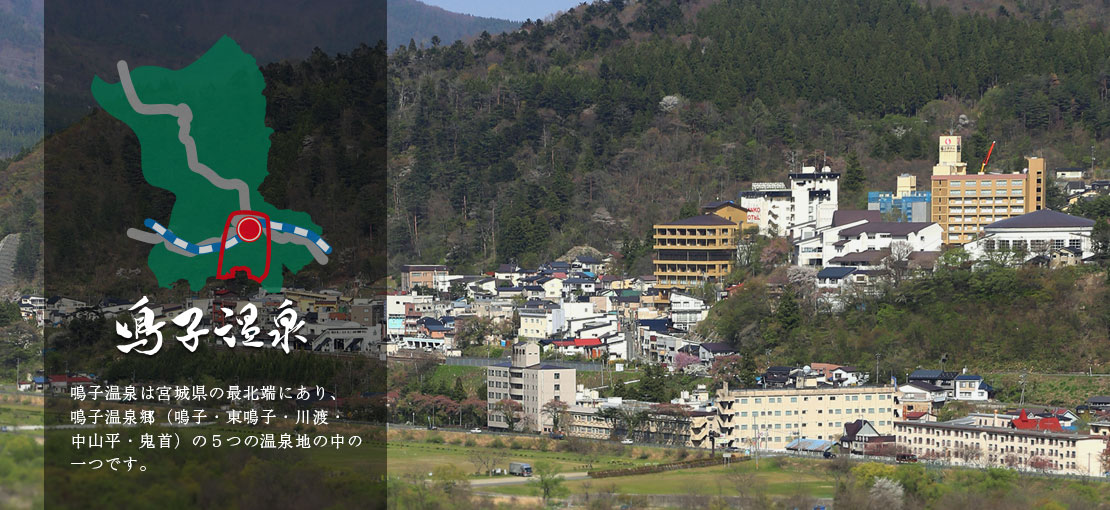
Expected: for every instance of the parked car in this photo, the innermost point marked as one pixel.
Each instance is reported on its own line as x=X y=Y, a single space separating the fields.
x=557 y=435
x=906 y=457
x=475 y=430
x=626 y=441
x=830 y=455
x=433 y=427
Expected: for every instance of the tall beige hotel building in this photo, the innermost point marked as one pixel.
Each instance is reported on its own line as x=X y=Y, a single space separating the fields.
x=964 y=203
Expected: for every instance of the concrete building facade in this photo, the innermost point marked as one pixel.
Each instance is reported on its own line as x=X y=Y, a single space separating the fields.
x=1039 y=233
x=694 y=250
x=428 y=276
x=964 y=204
x=772 y=418
x=978 y=440
x=529 y=382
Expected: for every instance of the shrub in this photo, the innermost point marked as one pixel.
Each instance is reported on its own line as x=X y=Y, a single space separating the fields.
x=470 y=442
x=644 y=455
x=434 y=438
x=515 y=445
x=497 y=443
x=682 y=454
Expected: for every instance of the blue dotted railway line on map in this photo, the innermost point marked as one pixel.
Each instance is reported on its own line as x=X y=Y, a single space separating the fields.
x=204 y=249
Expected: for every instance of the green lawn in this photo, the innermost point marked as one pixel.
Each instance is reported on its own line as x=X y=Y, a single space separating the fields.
x=472 y=377
x=773 y=478
x=408 y=456
x=18 y=414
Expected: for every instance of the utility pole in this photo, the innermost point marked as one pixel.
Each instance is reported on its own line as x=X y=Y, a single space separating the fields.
x=1022 y=382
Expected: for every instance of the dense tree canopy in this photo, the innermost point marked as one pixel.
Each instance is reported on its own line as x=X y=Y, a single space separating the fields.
x=591 y=127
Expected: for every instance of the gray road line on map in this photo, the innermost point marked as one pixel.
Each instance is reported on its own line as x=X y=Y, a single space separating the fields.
x=184 y=118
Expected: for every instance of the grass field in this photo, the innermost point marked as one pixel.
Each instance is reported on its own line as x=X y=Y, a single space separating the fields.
x=416 y=454
x=18 y=414
x=1058 y=390
x=472 y=377
x=774 y=477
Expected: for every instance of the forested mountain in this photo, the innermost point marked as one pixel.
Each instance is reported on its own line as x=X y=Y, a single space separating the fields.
x=21 y=70
x=416 y=21
x=588 y=129
x=21 y=210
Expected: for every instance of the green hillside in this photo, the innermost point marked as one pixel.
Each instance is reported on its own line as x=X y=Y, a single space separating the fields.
x=520 y=146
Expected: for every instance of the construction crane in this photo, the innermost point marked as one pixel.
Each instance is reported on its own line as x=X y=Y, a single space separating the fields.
x=987 y=160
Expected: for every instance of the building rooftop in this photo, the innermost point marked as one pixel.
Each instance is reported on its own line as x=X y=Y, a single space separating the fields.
x=846 y=216
x=1044 y=218
x=717 y=347
x=894 y=228
x=835 y=272
x=924 y=386
x=719 y=203
x=423 y=267
x=702 y=220
x=869 y=257
x=932 y=374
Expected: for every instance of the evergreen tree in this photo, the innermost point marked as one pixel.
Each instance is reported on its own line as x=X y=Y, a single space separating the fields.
x=459 y=393
x=853 y=174
x=788 y=314
x=688 y=209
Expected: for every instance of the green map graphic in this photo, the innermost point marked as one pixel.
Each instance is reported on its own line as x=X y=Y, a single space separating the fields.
x=223 y=90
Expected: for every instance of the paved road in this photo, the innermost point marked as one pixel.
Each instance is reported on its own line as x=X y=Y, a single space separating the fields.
x=606 y=386
x=517 y=480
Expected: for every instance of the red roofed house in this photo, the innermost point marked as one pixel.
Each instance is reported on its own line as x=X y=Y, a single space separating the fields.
x=588 y=348
x=1024 y=422
x=920 y=416
x=63 y=382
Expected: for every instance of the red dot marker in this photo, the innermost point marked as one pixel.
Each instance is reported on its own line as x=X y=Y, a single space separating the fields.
x=249 y=229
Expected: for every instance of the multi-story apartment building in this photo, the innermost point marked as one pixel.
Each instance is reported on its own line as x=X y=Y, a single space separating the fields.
x=770 y=418
x=808 y=203
x=768 y=205
x=540 y=320
x=666 y=424
x=963 y=204
x=982 y=440
x=911 y=206
x=694 y=250
x=367 y=312
x=432 y=277
x=687 y=311
x=532 y=384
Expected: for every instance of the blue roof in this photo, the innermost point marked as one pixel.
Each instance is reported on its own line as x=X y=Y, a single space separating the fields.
x=657 y=325
x=968 y=378
x=40 y=379
x=810 y=445
x=835 y=272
